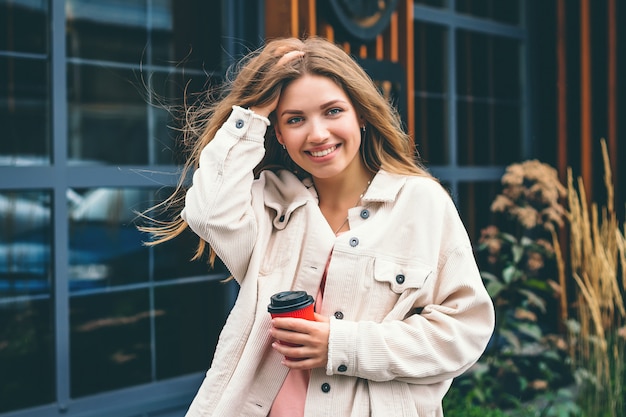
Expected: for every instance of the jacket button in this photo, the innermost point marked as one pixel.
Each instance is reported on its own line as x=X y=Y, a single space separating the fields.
x=339 y=315
x=325 y=387
x=365 y=213
x=239 y=124
x=400 y=279
x=342 y=368
x=281 y=218
x=354 y=241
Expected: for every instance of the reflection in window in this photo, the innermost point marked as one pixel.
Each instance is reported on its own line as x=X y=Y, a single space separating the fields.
x=26 y=341
x=107 y=249
x=149 y=32
x=107 y=117
x=25 y=236
x=110 y=337
x=24 y=111
x=28 y=21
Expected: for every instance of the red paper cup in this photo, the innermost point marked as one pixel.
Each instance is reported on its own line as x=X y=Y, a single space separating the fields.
x=296 y=304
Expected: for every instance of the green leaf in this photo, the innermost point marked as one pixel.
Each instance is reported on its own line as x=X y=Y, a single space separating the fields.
x=534 y=300
x=510 y=274
x=531 y=330
x=518 y=253
x=494 y=288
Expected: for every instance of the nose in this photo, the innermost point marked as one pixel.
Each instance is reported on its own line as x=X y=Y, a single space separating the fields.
x=318 y=131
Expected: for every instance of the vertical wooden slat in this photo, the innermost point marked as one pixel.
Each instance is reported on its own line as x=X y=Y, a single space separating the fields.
x=612 y=89
x=363 y=51
x=407 y=58
x=329 y=32
x=380 y=48
x=295 y=22
x=278 y=18
x=586 y=151
x=562 y=158
x=393 y=38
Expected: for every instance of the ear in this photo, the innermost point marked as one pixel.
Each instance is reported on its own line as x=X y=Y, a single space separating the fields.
x=279 y=136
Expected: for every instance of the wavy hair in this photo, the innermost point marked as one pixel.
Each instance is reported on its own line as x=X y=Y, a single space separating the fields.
x=257 y=80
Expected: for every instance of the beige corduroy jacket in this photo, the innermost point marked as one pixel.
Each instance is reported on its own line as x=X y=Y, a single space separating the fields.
x=408 y=308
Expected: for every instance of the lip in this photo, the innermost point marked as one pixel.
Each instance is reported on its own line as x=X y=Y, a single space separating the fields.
x=322 y=153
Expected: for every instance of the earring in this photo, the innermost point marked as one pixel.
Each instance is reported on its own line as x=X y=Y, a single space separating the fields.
x=283 y=145
x=363 y=128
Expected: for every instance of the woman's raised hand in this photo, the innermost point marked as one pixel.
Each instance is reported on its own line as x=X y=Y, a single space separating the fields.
x=266 y=109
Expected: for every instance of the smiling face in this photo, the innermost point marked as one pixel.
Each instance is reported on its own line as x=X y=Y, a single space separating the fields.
x=319 y=127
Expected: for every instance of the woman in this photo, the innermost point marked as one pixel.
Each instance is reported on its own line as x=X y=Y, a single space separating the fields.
x=305 y=180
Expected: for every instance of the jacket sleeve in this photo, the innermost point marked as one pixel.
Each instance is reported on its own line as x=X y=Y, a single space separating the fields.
x=438 y=343
x=218 y=205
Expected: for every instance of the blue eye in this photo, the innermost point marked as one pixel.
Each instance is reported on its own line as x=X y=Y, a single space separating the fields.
x=294 y=120
x=334 y=111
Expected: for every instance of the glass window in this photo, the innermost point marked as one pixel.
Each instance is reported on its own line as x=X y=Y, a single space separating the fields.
x=107 y=249
x=431 y=92
x=24 y=111
x=25 y=238
x=107 y=119
x=193 y=316
x=26 y=336
x=489 y=113
x=24 y=26
x=475 y=200
x=107 y=30
x=500 y=11
x=110 y=338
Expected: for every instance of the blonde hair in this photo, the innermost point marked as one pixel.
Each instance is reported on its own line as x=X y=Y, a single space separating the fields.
x=257 y=80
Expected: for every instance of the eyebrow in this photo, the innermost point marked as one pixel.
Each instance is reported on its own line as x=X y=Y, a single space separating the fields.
x=323 y=106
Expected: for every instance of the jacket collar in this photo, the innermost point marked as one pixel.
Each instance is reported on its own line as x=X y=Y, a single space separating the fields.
x=287 y=191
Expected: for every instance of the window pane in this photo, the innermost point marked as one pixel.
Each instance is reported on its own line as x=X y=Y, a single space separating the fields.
x=192 y=312
x=25 y=236
x=24 y=111
x=488 y=66
x=26 y=337
x=107 y=249
x=431 y=92
x=24 y=26
x=489 y=133
x=107 y=30
x=107 y=117
x=26 y=353
x=110 y=340
x=188 y=33
x=489 y=99
x=475 y=200
x=507 y=11
x=105 y=246
x=431 y=130
x=124 y=31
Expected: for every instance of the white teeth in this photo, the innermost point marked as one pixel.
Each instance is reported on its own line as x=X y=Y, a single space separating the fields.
x=324 y=152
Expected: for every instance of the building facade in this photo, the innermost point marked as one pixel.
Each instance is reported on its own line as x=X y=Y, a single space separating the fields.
x=95 y=323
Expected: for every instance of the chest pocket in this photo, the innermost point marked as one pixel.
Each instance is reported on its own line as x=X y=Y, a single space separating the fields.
x=400 y=276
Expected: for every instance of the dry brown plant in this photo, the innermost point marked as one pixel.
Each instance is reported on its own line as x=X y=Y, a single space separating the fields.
x=597 y=260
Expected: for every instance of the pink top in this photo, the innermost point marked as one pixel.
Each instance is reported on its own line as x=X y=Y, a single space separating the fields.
x=291 y=398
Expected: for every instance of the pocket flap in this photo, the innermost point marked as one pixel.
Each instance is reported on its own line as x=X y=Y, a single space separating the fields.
x=401 y=276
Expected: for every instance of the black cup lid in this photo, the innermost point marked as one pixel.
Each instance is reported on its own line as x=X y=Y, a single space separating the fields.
x=289 y=301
